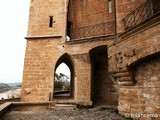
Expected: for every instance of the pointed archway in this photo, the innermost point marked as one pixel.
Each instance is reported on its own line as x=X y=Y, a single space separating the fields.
x=64 y=77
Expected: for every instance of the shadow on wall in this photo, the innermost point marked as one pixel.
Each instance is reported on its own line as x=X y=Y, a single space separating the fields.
x=104 y=90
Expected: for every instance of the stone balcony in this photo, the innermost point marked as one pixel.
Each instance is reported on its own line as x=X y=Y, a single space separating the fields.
x=144 y=16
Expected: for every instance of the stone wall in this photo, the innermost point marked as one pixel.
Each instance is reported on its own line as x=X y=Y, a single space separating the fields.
x=45 y=45
x=39 y=17
x=38 y=69
x=144 y=97
x=89 y=12
x=136 y=53
x=42 y=55
x=133 y=47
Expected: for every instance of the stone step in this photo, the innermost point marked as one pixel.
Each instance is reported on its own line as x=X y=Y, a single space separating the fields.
x=4 y=107
x=126 y=83
x=126 y=74
x=121 y=79
x=64 y=102
x=119 y=71
x=64 y=107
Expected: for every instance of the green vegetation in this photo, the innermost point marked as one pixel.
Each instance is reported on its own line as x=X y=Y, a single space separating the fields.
x=5 y=87
x=61 y=81
x=58 y=81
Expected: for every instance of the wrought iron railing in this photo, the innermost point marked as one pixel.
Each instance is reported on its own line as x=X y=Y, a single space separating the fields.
x=103 y=29
x=143 y=12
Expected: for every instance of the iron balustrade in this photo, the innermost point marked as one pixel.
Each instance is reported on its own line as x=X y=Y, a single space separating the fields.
x=103 y=29
x=142 y=13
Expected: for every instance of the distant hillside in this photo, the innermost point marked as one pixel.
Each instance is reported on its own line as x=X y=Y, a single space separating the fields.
x=10 y=86
x=14 y=84
x=4 y=87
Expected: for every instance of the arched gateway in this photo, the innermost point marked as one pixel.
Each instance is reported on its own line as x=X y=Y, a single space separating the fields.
x=67 y=90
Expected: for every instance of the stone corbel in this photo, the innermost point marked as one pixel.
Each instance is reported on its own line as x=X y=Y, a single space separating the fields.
x=28 y=90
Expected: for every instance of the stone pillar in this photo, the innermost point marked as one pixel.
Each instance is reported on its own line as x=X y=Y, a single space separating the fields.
x=46 y=30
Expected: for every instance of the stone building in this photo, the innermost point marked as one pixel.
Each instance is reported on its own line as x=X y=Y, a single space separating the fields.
x=112 y=48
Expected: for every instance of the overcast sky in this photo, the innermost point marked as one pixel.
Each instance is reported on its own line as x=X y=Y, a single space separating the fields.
x=13 y=28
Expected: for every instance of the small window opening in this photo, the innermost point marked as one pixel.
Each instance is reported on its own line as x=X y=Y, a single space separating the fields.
x=50 y=21
x=69 y=24
x=109 y=6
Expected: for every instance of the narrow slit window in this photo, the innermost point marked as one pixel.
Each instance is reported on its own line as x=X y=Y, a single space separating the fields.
x=109 y=6
x=50 y=21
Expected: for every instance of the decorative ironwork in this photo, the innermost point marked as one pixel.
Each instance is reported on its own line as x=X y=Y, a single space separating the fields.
x=103 y=29
x=143 y=12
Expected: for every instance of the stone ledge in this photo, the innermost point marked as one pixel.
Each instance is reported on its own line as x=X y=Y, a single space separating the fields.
x=65 y=107
x=30 y=103
x=90 y=39
x=30 y=106
x=43 y=36
x=4 y=107
x=10 y=100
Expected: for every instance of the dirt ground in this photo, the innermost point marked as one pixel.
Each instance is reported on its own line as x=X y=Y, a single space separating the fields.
x=78 y=114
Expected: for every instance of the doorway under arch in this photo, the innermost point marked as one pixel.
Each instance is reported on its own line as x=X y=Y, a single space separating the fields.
x=64 y=78
x=103 y=88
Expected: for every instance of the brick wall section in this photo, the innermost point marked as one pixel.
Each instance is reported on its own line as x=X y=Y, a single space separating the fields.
x=82 y=79
x=129 y=50
x=43 y=53
x=41 y=57
x=38 y=70
x=134 y=47
x=40 y=10
x=90 y=12
x=123 y=8
x=144 y=97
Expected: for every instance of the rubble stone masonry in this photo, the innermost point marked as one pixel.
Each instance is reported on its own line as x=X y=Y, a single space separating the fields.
x=144 y=96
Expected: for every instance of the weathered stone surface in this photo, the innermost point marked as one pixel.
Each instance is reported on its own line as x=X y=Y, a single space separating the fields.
x=45 y=46
x=126 y=72
x=143 y=98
